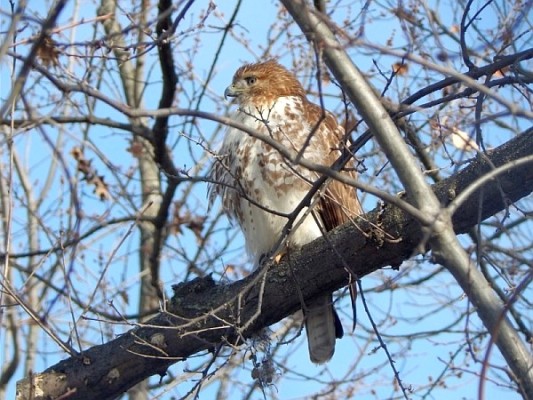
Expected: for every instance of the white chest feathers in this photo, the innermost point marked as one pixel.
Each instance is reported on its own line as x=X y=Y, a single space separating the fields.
x=261 y=188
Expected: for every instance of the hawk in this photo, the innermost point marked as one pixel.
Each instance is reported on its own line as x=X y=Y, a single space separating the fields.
x=260 y=188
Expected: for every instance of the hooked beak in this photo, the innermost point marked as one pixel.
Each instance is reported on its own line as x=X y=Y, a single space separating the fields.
x=230 y=91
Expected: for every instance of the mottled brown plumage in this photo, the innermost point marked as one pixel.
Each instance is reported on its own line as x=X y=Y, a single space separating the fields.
x=260 y=188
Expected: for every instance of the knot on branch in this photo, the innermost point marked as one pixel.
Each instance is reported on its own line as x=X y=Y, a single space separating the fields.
x=194 y=297
x=197 y=285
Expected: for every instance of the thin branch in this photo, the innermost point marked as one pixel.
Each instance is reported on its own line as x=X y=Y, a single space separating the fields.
x=440 y=234
x=48 y=24
x=190 y=326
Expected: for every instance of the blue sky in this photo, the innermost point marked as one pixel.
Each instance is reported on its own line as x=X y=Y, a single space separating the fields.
x=425 y=358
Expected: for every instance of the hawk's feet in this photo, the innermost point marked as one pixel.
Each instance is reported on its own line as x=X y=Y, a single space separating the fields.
x=276 y=258
x=279 y=256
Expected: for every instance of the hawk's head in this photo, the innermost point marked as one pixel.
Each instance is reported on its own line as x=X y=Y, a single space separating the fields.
x=262 y=83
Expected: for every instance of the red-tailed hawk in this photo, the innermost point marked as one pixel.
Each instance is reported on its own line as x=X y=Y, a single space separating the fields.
x=260 y=188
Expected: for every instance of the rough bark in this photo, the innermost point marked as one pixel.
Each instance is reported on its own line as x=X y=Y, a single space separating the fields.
x=205 y=315
x=446 y=248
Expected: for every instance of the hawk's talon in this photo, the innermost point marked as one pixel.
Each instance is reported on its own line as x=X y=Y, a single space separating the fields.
x=279 y=256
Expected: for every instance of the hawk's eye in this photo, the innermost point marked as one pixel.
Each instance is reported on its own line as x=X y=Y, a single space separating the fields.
x=250 y=80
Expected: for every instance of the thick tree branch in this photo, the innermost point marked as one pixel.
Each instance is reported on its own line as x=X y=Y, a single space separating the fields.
x=245 y=307
x=440 y=234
